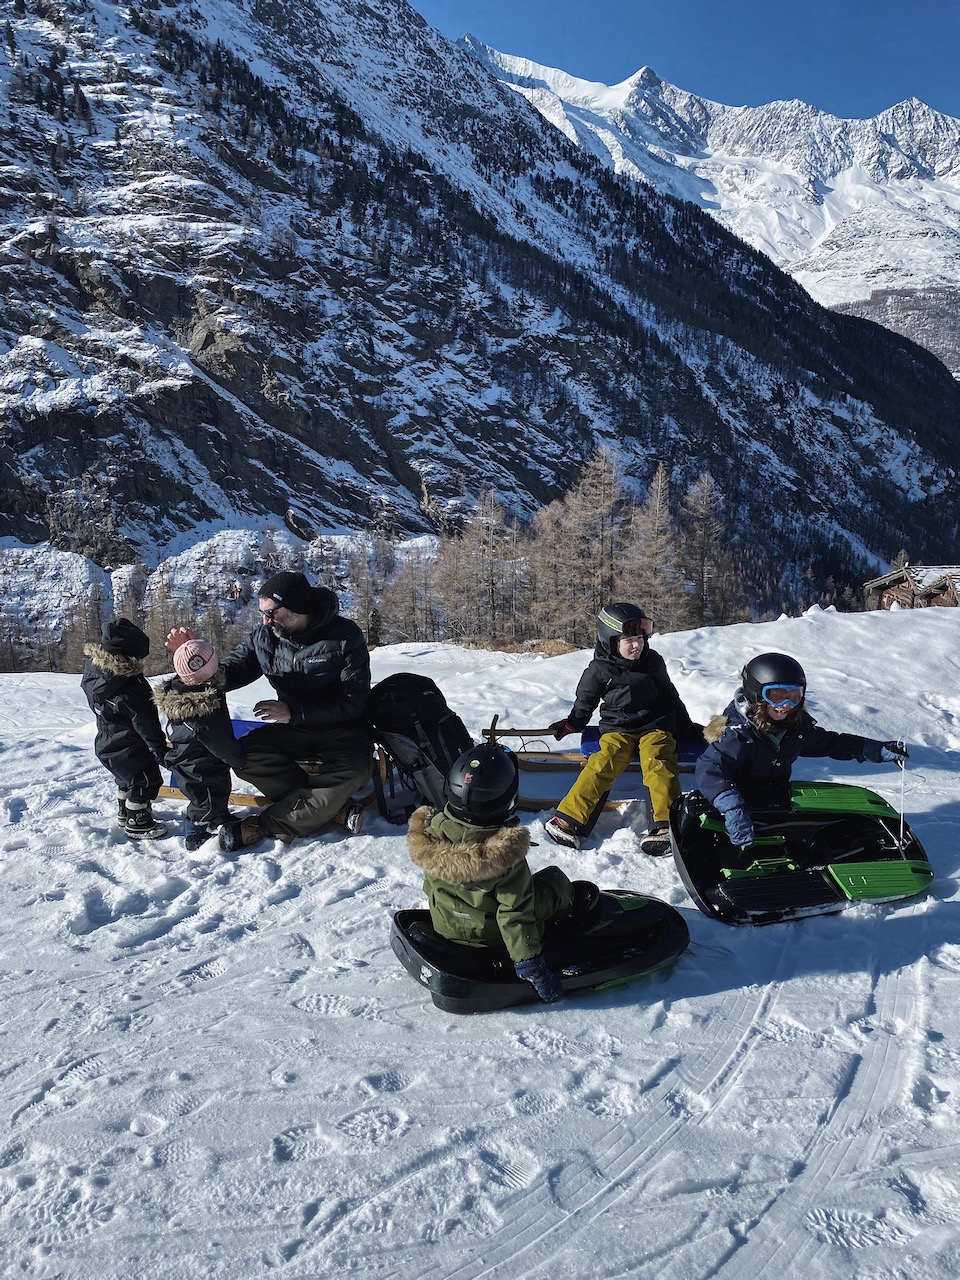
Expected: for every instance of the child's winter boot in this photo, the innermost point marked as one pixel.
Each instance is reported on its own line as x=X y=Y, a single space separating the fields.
x=561 y=831
x=656 y=843
x=140 y=823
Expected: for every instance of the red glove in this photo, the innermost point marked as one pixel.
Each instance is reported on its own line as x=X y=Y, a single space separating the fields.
x=560 y=728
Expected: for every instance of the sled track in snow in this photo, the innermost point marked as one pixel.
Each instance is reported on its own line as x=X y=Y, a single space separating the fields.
x=540 y=1227
x=780 y=1241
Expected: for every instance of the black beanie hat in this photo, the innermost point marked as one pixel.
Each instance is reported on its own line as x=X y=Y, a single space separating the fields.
x=123 y=637
x=292 y=590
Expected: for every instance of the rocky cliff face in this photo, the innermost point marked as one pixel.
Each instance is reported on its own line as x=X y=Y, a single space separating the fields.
x=311 y=261
x=856 y=210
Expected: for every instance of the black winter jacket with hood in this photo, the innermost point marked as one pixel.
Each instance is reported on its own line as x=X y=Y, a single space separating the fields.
x=198 y=721
x=322 y=674
x=204 y=748
x=129 y=741
x=634 y=697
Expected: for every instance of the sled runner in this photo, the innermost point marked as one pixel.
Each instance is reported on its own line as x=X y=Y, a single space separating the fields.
x=622 y=935
x=835 y=846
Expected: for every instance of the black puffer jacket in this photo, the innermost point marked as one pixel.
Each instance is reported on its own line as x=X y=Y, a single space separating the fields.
x=634 y=697
x=198 y=720
x=129 y=741
x=322 y=675
x=204 y=747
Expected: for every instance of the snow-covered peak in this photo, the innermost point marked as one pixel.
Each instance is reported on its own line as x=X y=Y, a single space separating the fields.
x=796 y=182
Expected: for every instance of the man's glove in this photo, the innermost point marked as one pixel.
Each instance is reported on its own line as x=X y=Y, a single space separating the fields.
x=543 y=980
x=893 y=751
x=736 y=817
x=560 y=728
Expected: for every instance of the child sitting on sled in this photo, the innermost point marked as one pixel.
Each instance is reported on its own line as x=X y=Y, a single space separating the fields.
x=754 y=742
x=641 y=715
x=204 y=747
x=129 y=742
x=474 y=858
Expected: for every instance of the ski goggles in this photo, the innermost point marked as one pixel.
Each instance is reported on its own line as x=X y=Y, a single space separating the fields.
x=782 y=695
x=637 y=627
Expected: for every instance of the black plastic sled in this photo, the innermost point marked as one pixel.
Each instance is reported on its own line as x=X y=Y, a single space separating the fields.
x=835 y=846
x=623 y=935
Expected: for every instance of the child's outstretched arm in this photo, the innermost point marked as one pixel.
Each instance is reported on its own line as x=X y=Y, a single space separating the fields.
x=736 y=817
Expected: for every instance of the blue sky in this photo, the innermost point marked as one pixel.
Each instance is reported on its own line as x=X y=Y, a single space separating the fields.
x=850 y=57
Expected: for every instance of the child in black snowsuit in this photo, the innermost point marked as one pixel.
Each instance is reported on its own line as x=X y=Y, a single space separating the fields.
x=204 y=748
x=129 y=742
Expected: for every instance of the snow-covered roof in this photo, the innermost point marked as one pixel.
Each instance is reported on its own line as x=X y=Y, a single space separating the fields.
x=923 y=578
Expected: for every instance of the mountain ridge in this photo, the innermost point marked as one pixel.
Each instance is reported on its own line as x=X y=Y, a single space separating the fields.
x=312 y=259
x=855 y=210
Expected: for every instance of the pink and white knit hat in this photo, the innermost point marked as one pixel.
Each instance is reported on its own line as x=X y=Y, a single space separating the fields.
x=195 y=662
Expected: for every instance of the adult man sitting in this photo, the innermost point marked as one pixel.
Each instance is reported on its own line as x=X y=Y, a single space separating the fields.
x=319 y=667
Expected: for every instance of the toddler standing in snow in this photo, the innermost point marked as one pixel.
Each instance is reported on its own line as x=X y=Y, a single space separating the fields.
x=129 y=742
x=204 y=746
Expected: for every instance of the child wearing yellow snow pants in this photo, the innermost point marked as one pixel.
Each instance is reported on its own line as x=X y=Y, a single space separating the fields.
x=657 y=752
x=640 y=714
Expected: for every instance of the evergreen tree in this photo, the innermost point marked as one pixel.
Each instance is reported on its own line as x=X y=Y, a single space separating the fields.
x=717 y=592
x=651 y=573
x=576 y=552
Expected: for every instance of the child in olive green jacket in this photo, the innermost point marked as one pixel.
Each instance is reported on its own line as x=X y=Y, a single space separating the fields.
x=474 y=858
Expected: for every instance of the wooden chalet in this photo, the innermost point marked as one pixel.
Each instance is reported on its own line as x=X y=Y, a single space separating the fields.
x=915 y=586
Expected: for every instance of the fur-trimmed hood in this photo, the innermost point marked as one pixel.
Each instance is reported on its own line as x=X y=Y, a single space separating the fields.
x=179 y=701
x=715 y=727
x=735 y=717
x=467 y=862
x=113 y=664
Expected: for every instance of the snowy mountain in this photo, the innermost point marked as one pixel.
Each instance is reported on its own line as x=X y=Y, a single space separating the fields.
x=219 y=1069
x=865 y=214
x=312 y=262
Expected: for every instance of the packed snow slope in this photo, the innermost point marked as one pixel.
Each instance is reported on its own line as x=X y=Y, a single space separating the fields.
x=219 y=1069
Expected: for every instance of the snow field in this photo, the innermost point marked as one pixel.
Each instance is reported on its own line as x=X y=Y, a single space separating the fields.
x=215 y=1068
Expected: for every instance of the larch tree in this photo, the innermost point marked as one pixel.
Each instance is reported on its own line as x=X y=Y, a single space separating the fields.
x=717 y=594
x=651 y=573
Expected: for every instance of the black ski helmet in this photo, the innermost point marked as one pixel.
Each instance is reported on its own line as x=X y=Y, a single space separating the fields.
x=482 y=785
x=616 y=620
x=770 y=668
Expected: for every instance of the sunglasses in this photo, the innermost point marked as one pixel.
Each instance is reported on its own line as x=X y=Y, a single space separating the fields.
x=782 y=695
x=267 y=614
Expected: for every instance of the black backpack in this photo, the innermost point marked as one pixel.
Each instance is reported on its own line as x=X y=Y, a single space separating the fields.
x=418 y=737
